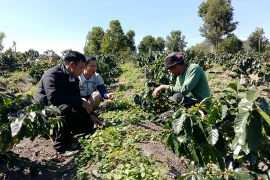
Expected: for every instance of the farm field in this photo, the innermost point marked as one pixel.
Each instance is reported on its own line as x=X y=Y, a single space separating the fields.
x=128 y=147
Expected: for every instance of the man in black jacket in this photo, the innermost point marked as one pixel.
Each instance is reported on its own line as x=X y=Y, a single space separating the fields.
x=59 y=86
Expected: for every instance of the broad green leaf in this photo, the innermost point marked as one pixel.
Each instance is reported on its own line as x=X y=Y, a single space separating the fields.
x=177 y=124
x=245 y=148
x=193 y=177
x=266 y=90
x=241 y=122
x=264 y=115
x=198 y=135
x=191 y=166
x=188 y=128
x=166 y=127
x=193 y=153
x=175 y=147
x=244 y=105
x=233 y=86
x=213 y=116
x=224 y=110
x=204 y=101
x=236 y=151
x=242 y=138
x=252 y=157
x=212 y=135
x=264 y=106
x=164 y=135
x=254 y=133
x=240 y=174
x=169 y=141
x=221 y=162
x=16 y=126
x=220 y=145
x=183 y=176
x=252 y=94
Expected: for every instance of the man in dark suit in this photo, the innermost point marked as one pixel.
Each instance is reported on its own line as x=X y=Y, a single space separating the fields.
x=59 y=86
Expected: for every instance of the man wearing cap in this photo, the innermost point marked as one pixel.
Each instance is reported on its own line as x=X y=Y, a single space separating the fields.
x=191 y=84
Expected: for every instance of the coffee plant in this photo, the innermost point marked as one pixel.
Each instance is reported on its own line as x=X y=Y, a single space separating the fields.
x=108 y=68
x=234 y=131
x=20 y=117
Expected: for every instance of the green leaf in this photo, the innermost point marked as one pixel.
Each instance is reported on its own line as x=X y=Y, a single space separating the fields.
x=188 y=128
x=224 y=110
x=264 y=115
x=175 y=148
x=192 y=152
x=212 y=135
x=252 y=94
x=240 y=174
x=177 y=124
x=169 y=141
x=266 y=90
x=252 y=157
x=199 y=136
x=241 y=122
x=16 y=126
x=233 y=86
x=183 y=176
x=213 y=116
x=262 y=176
x=264 y=106
x=166 y=127
x=254 y=133
x=164 y=135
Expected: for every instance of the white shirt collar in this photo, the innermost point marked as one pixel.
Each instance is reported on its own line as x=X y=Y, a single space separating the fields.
x=71 y=79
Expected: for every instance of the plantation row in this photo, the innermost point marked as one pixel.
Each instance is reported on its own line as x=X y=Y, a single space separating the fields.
x=233 y=131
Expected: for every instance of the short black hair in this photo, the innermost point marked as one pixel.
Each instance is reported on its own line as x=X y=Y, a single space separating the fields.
x=90 y=58
x=74 y=56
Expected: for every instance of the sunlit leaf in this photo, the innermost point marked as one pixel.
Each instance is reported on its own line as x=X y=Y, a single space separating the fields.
x=241 y=122
x=240 y=174
x=233 y=86
x=264 y=115
x=16 y=126
x=252 y=94
x=177 y=124
x=212 y=135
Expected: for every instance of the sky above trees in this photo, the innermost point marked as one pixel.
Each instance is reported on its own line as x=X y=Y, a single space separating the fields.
x=60 y=25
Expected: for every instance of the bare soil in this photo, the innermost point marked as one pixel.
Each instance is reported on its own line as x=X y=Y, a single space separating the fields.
x=40 y=154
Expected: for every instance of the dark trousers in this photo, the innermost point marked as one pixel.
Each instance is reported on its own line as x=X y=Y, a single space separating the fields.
x=76 y=123
x=178 y=99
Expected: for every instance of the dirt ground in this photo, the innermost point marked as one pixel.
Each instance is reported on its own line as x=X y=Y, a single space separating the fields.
x=40 y=155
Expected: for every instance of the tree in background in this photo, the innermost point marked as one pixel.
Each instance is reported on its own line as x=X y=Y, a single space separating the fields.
x=114 y=39
x=31 y=55
x=93 y=41
x=160 y=44
x=2 y=37
x=148 y=44
x=175 y=42
x=218 y=20
x=257 y=40
x=230 y=45
x=130 y=41
x=63 y=53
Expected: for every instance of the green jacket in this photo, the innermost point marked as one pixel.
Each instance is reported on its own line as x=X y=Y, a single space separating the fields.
x=193 y=81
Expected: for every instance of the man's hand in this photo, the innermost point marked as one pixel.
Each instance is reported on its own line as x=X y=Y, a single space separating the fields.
x=86 y=106
x=96 y=121
x=110 y=96
x=157 y=91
